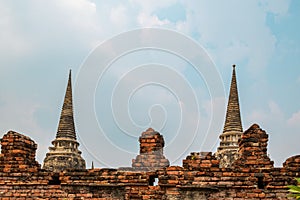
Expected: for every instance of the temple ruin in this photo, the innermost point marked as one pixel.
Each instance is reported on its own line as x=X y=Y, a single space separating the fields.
x=240 y=169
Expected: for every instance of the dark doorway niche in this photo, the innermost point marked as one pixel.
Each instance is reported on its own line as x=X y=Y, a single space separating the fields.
x=55 y=180
x=153 y=180
x=260 y=182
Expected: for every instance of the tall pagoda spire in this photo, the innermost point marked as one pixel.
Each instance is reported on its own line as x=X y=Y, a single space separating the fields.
x=66 y=127
x=227 y=151
x=233 y=117
x=64 y=153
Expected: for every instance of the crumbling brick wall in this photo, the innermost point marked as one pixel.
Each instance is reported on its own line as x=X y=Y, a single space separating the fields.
x=198 y=178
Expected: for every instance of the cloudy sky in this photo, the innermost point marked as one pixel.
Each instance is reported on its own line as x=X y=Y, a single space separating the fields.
x=41 y=40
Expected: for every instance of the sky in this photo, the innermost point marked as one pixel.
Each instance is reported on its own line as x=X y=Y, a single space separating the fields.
x=160 y=87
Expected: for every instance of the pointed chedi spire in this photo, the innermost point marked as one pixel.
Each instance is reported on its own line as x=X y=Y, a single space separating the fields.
x=64 y=153
x=227 y=151
x=66 y=127
x=233 y=117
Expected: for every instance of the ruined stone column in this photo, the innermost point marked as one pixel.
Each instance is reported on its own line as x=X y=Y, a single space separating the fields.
x=151 y=151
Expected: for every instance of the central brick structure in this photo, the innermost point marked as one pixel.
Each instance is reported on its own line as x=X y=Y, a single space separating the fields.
x=151 y=151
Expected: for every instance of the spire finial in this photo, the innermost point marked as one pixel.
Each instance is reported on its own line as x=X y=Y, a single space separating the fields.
x=233 y=66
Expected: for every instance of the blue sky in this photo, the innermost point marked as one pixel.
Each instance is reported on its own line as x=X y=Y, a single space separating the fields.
x=41 y=40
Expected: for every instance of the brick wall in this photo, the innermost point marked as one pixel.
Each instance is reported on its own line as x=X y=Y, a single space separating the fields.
x=199 y=178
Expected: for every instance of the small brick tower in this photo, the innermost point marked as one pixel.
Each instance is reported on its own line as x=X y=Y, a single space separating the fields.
x=253 y=147
x=151 y=151
x=65 y=154
x=227 y=151
x=18 y=153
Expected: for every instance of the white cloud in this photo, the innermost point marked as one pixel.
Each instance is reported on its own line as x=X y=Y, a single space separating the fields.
x=19 y=115
x=13 y=44
x=119 y=16
x=275 y=109
x=294 y=120
x=233 y=31
x=151 y=20
x=277 y=7
x=79 y=14
x=273 y=113
x=46 y=25
x=148 y=6
x=146 y=9
x=281 y=130
x=16 y=114
x=76 y=19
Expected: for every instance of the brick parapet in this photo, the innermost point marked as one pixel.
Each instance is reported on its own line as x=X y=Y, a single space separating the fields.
x=116 y=184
